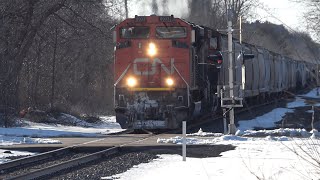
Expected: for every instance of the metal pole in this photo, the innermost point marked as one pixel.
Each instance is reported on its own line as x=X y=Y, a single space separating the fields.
x=224 y=121
x=184 y=144
x=232 y=127
x=240 y=21
x=317 y=74
x=312 y=122
x=243 y=78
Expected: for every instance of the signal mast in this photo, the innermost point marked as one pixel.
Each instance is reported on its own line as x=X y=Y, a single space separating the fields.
x=228 y=99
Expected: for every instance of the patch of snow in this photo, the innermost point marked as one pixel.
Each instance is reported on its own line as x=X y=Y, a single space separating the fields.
x=205 y=134
x=178 y=140
x=5 y=154
x=267 y=120
x=299 y=102
x=248 y=135
x=282 y=138
x=13 y=140
x=277 y=132
x=108 y=122
x=232 y=138
x=311 y=94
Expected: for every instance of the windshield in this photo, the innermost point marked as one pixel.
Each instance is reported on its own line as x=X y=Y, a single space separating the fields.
x=171 y=32
x=134 y=32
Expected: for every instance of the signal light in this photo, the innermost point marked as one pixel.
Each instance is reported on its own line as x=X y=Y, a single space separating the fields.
x=215 y=59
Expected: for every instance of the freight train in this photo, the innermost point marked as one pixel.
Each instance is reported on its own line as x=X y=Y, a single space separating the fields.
x=167 y=70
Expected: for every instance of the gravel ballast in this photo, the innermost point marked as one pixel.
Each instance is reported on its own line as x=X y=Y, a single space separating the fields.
x=130 y=157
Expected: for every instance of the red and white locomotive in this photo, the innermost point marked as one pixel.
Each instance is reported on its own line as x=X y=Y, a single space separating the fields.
x=167 y=69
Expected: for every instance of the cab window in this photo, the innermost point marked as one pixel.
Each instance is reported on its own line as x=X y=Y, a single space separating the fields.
x=134 y=32
x=171 y=32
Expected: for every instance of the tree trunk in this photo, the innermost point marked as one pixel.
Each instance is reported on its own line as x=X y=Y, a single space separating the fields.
x=53 y=69
x=9 y=84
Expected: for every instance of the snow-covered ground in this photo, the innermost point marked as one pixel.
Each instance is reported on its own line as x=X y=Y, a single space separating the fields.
x=264 y=154
x=259 y=158
x=40 y=133
x=4 y=154
x=32 y=129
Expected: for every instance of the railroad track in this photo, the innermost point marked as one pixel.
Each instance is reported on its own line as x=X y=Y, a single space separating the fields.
x=48 y=163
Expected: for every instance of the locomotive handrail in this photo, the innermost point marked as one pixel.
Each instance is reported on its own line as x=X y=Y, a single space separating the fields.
x=188 y=87
x=124 y=72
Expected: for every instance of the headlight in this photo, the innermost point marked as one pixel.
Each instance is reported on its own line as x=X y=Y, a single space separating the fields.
x=152 y=50
x=169 y=82
x=131 y=81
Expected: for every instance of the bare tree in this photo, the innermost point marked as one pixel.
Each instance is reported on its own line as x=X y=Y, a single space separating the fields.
x=55 y=54
x=213 y=12
x=21 y=20
x=312 y=15
x=240 y=8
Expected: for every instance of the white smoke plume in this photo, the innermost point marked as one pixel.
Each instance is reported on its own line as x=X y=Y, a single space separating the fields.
x=178 y=8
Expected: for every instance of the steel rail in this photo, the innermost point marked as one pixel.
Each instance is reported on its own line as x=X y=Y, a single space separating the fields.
x=65 y=165
x=35 y=158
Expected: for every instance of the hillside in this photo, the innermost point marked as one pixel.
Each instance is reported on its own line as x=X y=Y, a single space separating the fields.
x=279 y=39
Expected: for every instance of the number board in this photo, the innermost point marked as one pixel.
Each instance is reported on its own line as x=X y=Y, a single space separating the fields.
x=166 y=18
x=140 y=18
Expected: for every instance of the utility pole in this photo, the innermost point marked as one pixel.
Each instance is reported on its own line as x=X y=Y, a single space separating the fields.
x=232 y=126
